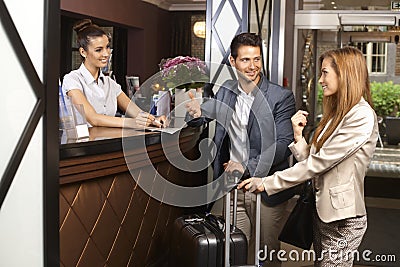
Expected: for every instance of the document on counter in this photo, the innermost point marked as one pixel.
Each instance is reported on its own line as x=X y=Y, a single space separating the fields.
x=170 y=130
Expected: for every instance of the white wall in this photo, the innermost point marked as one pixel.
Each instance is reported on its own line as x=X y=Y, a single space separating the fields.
x=21 y=215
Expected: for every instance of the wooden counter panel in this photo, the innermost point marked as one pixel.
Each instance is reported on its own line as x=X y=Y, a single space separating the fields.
x=106 y=219
x=86 y=167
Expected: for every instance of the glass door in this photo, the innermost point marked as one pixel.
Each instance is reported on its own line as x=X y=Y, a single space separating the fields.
x=376 y=34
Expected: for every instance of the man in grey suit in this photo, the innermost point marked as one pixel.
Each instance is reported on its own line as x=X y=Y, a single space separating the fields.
x=252 y=135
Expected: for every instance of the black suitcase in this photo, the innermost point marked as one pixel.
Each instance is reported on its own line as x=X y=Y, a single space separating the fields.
x=199 y=239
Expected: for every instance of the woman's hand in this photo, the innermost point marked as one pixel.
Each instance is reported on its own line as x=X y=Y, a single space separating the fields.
x=144 y=119
x=299 y=121
x=253 y=185
x=193 y=106
x=161 y=121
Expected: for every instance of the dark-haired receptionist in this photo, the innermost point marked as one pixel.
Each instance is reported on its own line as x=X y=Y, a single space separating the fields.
x=99 y=94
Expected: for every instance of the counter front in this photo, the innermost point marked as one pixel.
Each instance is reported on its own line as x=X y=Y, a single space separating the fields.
x=106 y=218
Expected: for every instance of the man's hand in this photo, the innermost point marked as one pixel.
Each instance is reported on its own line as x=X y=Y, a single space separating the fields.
x=231 y=166
x=193 y=106
x=253 y=185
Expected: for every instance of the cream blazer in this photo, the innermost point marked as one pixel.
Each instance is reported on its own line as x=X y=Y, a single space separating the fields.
x=338 y=169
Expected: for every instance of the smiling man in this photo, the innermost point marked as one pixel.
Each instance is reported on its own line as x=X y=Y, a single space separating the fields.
x=253 y=116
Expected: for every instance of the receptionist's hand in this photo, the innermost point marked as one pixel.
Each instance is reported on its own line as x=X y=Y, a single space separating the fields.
x=160 y=121
x=144 y=119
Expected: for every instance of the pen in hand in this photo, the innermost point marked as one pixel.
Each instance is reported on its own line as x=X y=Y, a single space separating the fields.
x=160 y=123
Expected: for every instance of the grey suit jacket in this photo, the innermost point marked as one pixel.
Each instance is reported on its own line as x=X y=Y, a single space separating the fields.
x=269 y=130
x=338 y=169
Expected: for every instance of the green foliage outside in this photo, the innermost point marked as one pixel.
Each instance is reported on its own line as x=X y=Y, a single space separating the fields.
x=320 y=94
x=385 y=97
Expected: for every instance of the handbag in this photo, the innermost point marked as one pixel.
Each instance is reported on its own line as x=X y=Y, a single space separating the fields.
x=298 y=229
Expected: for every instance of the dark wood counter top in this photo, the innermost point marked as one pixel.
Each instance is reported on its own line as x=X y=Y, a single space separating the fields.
x=103 y=152
x=102 y=140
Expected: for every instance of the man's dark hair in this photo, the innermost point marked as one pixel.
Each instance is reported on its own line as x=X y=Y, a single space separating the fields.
x=246 y=38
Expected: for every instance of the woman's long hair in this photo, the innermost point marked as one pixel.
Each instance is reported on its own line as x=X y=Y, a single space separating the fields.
x=351 y=69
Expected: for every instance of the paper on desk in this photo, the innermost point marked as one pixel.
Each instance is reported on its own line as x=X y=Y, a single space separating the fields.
x=169 y=130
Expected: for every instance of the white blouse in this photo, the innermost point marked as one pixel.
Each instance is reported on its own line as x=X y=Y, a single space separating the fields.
x=102 y=95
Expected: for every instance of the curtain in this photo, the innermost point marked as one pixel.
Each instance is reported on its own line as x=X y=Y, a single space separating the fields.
x=181 y=41
x=119 y=57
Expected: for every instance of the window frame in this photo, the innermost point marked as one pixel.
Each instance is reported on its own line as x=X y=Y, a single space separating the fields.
x=372 y=58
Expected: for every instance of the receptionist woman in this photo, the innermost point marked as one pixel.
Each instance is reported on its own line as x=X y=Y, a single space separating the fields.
x=99 y=94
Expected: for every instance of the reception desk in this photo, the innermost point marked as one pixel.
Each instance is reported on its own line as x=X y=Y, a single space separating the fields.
x=106 y=219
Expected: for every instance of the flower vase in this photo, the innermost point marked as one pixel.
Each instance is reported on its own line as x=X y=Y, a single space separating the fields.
x=180 y=97
x=199 y=95
x=164 y=103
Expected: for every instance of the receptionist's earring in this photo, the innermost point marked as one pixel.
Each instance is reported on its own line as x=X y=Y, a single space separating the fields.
x=81 y=51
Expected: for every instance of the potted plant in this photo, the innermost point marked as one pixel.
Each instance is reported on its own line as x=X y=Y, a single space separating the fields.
x=386 y=100
x=181 y=74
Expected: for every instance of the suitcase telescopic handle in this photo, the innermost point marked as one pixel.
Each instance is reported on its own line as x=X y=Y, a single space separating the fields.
x=236 y=176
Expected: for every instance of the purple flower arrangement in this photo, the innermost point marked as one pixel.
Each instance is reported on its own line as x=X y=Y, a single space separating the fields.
x=183 y=72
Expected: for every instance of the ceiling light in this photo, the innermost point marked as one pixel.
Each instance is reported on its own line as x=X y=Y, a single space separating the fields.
x=199 y=29
x=367 y=20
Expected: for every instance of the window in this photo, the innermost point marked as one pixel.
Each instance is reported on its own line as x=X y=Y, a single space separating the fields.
x=375 y=54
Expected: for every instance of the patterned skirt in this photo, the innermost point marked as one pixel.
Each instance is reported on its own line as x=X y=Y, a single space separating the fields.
x=336 y=243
